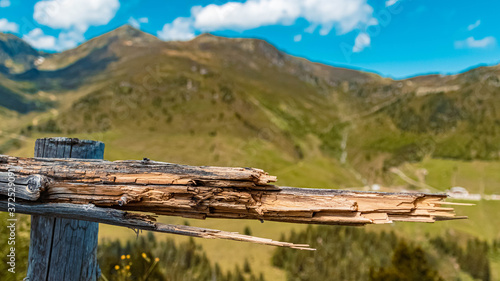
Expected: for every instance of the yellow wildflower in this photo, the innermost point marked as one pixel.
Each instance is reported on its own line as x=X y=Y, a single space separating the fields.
x=117 y=267
x=157 y=259
x=128 y=256
x=123 y=257
x=144 y=255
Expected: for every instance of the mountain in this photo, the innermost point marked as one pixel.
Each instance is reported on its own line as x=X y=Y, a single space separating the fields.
x=244 y=102
x=15 y=54
x=17 y=98
x=28 y=74
x=104 y=46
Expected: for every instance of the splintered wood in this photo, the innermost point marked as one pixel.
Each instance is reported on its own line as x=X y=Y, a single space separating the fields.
x=211 y=192
x=108 y=192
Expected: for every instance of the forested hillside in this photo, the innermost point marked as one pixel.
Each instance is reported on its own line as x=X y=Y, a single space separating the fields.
x=242 y=102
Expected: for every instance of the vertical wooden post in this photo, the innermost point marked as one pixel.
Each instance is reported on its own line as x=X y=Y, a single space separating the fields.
x=64 y=249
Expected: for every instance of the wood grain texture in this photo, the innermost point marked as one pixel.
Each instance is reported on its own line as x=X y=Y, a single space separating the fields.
x=62 y=248
x=24 y=187
x=136 y=221
x=218 y=192
x=143 y=172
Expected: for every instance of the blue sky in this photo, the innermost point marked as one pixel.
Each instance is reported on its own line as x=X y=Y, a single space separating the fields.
x=395 y=38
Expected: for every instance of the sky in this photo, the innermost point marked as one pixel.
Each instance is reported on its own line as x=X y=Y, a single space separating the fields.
x=394 y=38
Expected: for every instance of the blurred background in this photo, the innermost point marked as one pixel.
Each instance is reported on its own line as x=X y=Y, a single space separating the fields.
x=345 y=94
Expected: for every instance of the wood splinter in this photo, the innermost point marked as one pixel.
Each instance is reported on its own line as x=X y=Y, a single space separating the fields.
x=137 y=221
x=209 y=192
x=123 y=200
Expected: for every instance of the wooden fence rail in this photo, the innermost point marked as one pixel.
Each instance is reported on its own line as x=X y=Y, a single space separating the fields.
x=91 y=189
x=210 y=192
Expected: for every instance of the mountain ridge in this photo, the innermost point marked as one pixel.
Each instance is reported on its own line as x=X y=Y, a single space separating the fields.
x=129 y=32
x=245 y=103
x=232 y=90
x=15 y=54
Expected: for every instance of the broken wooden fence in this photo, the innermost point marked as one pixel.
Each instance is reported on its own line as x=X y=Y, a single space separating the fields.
x=88 y=190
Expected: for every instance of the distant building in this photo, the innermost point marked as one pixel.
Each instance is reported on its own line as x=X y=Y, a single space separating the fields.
x=459 y=192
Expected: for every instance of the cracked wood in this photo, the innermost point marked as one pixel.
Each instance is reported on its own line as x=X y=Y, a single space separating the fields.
x=136 y=221
x=217 y=192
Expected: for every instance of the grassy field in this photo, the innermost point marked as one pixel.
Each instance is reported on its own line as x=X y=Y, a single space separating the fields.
x=221 y=150
x=481 y=177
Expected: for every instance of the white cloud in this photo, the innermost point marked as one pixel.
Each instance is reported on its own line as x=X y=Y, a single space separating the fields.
x=4 y=3
x=341 y=15
x=69 y=40
x=7 y=26
x=474 y=25
x=389 y=3
x=180 y=29
x=74 y=17
x=133 y=22
x=75 y=14
x=344 y=15
x=137 y=22
x=247 y=15
x=473 y=43
x=311 y=28
x=66 y=40
x=39 y=40
x=362 y=41
x=297 y=38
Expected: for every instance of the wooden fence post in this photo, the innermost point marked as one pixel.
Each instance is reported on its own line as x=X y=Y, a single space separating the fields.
x=64 y=249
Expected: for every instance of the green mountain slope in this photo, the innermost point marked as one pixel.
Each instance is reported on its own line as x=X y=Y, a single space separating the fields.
x=242 y=102
x=16 y=57
x=231 y=98
x=15 y=54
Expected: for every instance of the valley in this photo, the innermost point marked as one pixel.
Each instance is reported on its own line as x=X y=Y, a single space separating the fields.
x=242 y=102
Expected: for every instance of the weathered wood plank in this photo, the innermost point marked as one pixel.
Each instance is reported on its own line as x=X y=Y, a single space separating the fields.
x=218 y=192
x=138 y=172
x=135 y=221
x=24 y=187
